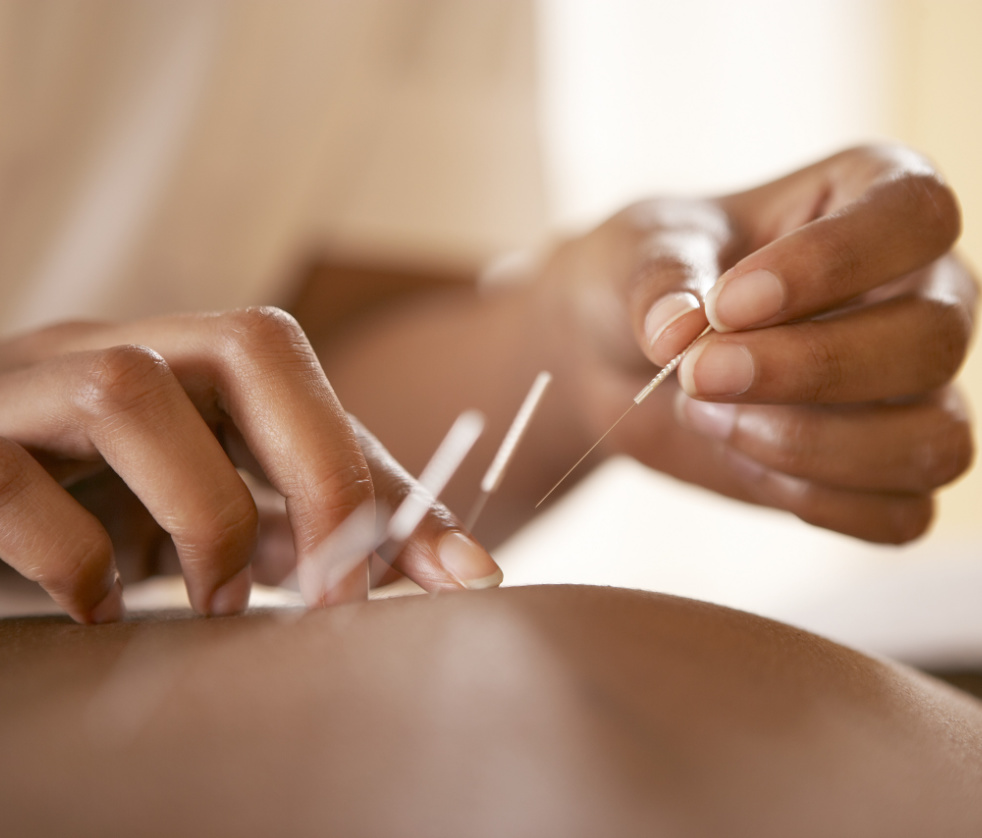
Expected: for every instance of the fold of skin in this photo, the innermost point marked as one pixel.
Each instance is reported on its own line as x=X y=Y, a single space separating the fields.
x=521 y=711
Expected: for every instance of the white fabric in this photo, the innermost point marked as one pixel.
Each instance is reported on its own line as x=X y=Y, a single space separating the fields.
x=178 y=154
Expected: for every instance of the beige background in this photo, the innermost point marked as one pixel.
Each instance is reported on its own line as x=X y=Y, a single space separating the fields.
x=937 y=77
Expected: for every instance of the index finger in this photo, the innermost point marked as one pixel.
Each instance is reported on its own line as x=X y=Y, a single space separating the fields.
x=281 y=402
x=254 y=369
x=831 y=232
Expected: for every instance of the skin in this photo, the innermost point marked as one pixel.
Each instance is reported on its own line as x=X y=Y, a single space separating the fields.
x=536 y=711
x=153 y=417
x=848 y=419
x=549 y=710
x=846 y=415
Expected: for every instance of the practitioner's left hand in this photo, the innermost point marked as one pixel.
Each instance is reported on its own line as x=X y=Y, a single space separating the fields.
x=840 y=319
x=154 y=424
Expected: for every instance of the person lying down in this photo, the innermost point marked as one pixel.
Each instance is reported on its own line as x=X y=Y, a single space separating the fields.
x=840 y=317
x=554 y=710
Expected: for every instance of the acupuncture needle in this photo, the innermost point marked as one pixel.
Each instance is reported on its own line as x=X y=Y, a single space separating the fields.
x=431 y=482
x=516 y=432
x=645 y=391
x=361 y=533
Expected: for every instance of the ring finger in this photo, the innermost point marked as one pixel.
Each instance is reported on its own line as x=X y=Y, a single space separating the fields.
x=896 y=348
x=911 y=447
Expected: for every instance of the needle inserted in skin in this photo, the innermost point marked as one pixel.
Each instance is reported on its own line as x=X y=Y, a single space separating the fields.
x=496 y=471
x=360 y=533
x=645 y=391
x=434 y=478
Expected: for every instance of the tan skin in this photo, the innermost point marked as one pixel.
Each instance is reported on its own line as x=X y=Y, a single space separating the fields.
x=172 y=405
x=522 y=711
x=849 y=420
x=549 y=710
x=846 y=416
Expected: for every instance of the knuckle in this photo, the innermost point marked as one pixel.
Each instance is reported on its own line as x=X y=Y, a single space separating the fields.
x=641 y=216
x=951 y=326
x=844 y=255
x=929 y=197
x=345 y=489
x=793 y=447
x=945 y=454
x=78 y=567
x=826 y=374
x=332 y=498
x=260 y=336
x=669 y=267
x=12 y=477
x=932 y=198
x=227 y=532
x=866 y=152
x=263 y=326
x=120 y=378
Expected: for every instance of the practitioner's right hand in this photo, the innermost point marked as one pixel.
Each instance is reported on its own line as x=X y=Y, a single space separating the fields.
x=840 y=318
x=156 y=416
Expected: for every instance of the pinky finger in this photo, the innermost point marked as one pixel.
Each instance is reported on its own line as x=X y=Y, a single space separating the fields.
x=882 y=517
x=47 y=537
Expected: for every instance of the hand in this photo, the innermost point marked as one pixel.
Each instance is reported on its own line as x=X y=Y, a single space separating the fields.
x=840 y=319
x=155 y=417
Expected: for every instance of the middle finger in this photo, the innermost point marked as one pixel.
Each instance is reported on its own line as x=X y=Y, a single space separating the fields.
x=896 y=348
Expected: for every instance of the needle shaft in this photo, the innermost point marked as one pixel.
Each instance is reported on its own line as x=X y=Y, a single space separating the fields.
x=588 y=453
x=496 y=471
x=643 y=393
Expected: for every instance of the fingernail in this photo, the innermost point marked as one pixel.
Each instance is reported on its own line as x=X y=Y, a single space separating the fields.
x=467 y=562
x=233 y=596
x=111 y=608
x=665 y=312
x=714 y=419
x=745 y=300
x=717 y=369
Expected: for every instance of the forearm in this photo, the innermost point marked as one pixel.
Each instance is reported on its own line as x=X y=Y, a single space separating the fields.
x=408 y=369
x=407 y=362
x=797 y=399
